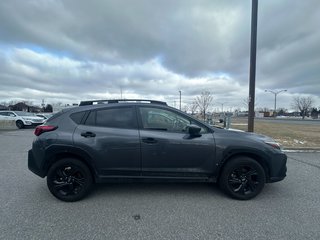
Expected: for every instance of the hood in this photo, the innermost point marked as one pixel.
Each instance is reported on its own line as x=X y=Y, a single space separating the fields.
x=251 y=135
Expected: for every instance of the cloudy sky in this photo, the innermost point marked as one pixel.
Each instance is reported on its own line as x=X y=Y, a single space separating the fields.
x=71 y=50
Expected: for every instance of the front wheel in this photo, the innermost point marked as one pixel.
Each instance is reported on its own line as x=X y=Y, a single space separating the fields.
x=69 y=180
x=242 y=178
x=19 y=124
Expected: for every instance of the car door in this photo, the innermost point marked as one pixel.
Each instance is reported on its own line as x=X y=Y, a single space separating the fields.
x=7 y=115
x=3 y=116
x=168 y=150
x=111 y=137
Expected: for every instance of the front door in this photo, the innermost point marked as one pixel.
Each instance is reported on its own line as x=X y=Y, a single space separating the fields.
x=168 y=150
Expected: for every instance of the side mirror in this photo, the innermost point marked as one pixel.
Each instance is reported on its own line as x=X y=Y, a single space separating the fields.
x=194 y=130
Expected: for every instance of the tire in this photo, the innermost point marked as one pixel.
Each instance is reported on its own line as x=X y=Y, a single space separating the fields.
x=242 y=178
x=19 y=124
x=69 y=180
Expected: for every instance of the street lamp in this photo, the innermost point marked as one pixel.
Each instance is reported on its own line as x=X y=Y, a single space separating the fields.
x=180 y=98
x=221 y=105
x=275 y=99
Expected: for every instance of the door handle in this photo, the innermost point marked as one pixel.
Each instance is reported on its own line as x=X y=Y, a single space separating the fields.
x=149 y=140
x=88 y=134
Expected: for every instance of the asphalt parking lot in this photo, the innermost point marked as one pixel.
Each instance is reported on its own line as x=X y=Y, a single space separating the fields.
x=286 y=210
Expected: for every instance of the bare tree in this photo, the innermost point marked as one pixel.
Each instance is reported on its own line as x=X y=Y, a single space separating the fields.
x=246 y=101
x=4 y=103
x=303 y=104
x=185 y=108
x=193 y=107
x=204 y=102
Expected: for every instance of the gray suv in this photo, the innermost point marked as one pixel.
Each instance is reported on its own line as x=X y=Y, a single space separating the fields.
x=147 y=140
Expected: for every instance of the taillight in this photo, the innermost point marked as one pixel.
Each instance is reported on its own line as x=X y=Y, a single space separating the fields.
x=44 y=128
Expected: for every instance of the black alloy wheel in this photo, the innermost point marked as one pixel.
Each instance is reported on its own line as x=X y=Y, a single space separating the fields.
x=242 y=178
x=69 y=180
x=19 y=124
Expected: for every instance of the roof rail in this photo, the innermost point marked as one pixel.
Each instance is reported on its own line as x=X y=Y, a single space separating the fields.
x=93 y=102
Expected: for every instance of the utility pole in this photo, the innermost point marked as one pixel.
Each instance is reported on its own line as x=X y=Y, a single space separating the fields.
x=253 y=53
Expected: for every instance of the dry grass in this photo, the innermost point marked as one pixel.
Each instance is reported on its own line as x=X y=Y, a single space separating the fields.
x=289 y=135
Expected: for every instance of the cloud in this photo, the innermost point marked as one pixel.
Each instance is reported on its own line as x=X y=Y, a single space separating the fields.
x=78 y=49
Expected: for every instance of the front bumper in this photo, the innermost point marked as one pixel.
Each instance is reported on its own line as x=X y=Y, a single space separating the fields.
x=29 y=123
x=278 y=168
x=36 y=124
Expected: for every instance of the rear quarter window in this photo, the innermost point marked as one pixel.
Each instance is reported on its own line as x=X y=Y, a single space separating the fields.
x=77 y=117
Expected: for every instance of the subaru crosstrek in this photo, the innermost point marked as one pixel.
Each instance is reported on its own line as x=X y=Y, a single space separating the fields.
x=148 y=140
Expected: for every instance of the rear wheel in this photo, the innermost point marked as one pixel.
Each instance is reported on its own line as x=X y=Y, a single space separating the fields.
x=19 y=124
x=242 y=178
x=69 y=180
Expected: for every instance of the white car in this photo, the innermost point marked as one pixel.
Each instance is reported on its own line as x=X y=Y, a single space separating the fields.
x=21 y=118
x=45 y=116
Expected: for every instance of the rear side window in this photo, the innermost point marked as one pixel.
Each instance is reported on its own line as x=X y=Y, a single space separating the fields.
x=77 y=117
x=58 y=114
x=113 y=118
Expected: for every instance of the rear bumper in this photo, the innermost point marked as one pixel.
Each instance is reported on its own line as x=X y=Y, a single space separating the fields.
x=34 y=165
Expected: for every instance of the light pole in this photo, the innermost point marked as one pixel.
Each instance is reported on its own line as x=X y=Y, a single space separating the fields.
x=275 y=99
x=221 y=105
x=180 y=99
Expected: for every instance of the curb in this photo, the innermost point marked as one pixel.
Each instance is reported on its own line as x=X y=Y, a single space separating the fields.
x=310 y=150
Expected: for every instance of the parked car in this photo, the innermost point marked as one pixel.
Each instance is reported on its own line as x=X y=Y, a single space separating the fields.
x=148 y=140
x=45 y=116
x=21 y=118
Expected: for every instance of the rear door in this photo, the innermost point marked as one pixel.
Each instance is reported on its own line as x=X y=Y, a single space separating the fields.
x=111 y=137
x=168 y=150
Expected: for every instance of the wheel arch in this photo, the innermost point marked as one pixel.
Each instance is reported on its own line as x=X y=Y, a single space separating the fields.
x=57 y=154
x=257 y=157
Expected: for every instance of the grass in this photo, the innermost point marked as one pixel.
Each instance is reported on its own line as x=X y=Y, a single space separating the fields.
x=288 y=135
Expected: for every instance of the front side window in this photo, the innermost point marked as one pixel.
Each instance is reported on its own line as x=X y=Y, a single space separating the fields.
x=113 y=118
x=161 y=119
x=7 y=114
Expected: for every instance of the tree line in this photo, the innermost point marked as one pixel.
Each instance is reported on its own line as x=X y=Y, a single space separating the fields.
x=203 y=102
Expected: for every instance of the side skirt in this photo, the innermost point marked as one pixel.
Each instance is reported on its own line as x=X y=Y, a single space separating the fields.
x=112 y=179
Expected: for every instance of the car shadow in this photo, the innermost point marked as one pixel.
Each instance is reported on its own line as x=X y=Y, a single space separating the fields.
x=152 y=189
